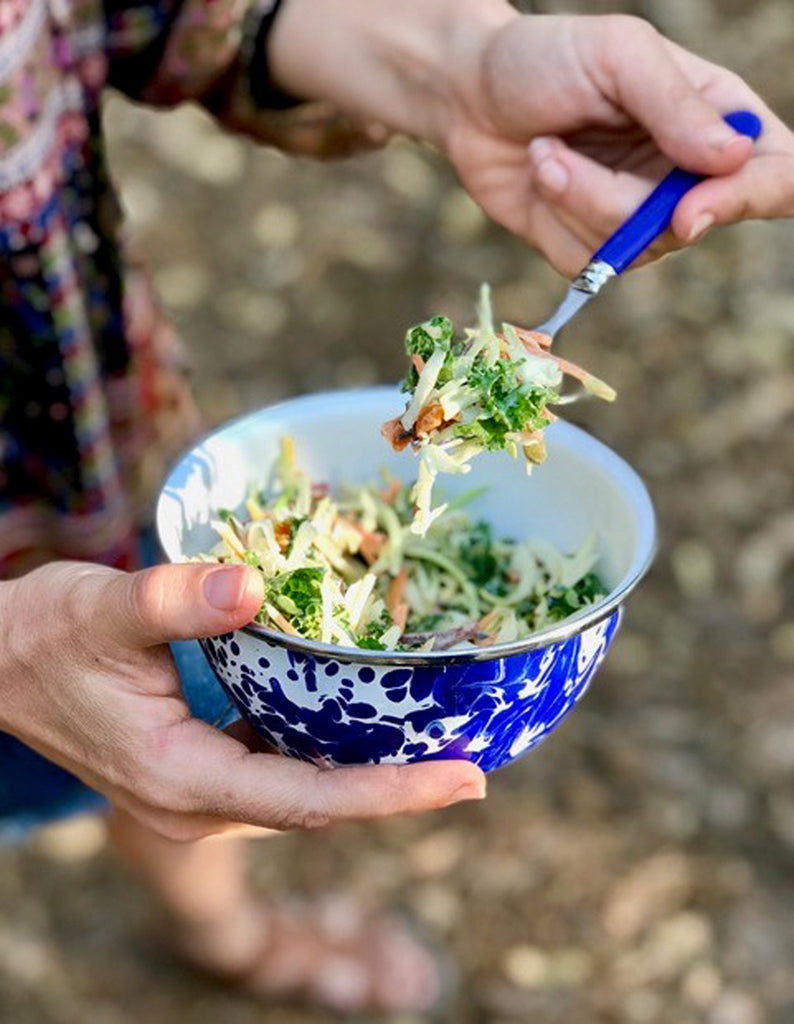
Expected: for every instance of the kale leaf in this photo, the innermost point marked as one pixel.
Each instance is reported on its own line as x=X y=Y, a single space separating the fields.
x=475 y=551
x=564 y=601
x=423 y=340
x=298 y=596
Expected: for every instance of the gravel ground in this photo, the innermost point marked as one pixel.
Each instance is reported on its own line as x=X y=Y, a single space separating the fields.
x=639 y=867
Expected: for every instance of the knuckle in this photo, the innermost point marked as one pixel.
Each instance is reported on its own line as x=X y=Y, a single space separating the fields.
x=623 y=36
x=144 y=598
x=623 y=27
x=309 y=819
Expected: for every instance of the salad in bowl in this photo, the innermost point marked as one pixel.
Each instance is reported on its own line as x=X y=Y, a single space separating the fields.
x=473 y=641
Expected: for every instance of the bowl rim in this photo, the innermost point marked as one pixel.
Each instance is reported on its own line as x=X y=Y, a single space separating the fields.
x=556 y=633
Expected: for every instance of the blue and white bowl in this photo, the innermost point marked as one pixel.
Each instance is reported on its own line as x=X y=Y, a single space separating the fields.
x=344 y=706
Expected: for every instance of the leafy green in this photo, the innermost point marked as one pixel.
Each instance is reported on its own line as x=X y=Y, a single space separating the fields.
x=423 y=340
x=298 y=596
x=370 y=643
x=511 y=406
x=564 y=601
x=425 y=623
x=475 y=552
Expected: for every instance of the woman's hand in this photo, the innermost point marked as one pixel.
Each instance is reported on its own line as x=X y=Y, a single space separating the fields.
x=607 y=106
x=558 y=126
x=87 y=680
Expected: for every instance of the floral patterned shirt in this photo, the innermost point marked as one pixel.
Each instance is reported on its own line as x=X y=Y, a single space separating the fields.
x=93 y=401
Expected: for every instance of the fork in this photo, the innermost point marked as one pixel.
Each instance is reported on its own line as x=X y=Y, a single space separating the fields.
x=635 y=234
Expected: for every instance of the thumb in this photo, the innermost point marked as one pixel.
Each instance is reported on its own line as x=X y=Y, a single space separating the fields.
x=180 y=602
x=651 y=87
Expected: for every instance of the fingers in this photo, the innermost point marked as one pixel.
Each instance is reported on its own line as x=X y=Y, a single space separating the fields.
x=593 y=200
x=177 y=602
x=764 y=187
x=636 y=70
x=546 y=231
x=585 y=202
x=216 y=777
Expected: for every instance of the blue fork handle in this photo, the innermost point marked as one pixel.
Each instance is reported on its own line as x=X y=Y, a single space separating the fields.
x=654 y=216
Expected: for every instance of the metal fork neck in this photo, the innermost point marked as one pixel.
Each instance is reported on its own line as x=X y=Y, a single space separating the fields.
x=594 y=276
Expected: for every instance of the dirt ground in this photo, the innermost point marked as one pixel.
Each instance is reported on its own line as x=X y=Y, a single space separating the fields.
x=639 y=867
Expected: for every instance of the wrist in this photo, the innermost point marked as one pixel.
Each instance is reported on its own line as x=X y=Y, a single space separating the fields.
x=410 y=73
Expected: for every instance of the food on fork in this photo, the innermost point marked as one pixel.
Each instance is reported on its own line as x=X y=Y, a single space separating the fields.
x=486 y=390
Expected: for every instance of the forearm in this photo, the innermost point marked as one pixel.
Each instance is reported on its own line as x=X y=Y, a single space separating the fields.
x=399 y=65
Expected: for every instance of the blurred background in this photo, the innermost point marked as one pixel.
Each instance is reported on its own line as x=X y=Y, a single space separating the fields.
x=638 y=867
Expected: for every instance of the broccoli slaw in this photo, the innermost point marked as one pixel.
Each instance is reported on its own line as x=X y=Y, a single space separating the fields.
x=487 y=390
x=347 y=568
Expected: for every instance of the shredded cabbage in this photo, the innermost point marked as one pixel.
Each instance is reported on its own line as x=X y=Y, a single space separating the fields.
x=349 y=569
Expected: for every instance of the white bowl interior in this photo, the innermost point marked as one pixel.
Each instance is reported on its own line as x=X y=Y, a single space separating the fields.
x=582 y=487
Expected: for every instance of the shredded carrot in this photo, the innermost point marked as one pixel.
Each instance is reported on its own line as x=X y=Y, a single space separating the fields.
x=396 y=434
x=418 y=362
x=487 y=620
x=530 y=341
x=396 y=595
x=391 y=492
x=541 y=339
x=283 y=533
x=371 y=545
x=400 y=615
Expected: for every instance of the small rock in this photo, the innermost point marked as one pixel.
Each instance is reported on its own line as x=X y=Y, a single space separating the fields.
x=530 y=967
x=257 y=313
x=701 y=985
x=71 y=841
x=218 y=160
x=276 y=224
x=365 y=247
x=771 y=749
x=736 y=1007
x=436 y=854
x=460 y=218
x=694 y=568
x=182 y=285
x=437 y=905
x=409 y=174
x=643 y=1007
x=650 y=891
x=25 y=957
x=356 y=371
x=669 y=949
x=781 y=641
x=631 y=654
x=526 y=966
x=781 y=814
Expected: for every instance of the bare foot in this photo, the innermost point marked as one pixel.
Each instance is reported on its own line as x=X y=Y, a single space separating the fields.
x=331 y=953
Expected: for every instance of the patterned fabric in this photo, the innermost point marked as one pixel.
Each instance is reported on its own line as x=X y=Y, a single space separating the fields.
x=93 y=400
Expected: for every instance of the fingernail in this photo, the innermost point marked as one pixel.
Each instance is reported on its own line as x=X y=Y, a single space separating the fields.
x=540 y=148
x=469 y=791
x=224 y=588
x=702 y=223
x=552 y=175
x=722 y=136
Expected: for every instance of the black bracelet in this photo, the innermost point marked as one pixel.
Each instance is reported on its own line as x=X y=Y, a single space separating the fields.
x=259 y=20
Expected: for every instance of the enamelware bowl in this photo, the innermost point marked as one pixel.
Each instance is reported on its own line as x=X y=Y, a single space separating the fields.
x=343 y=706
